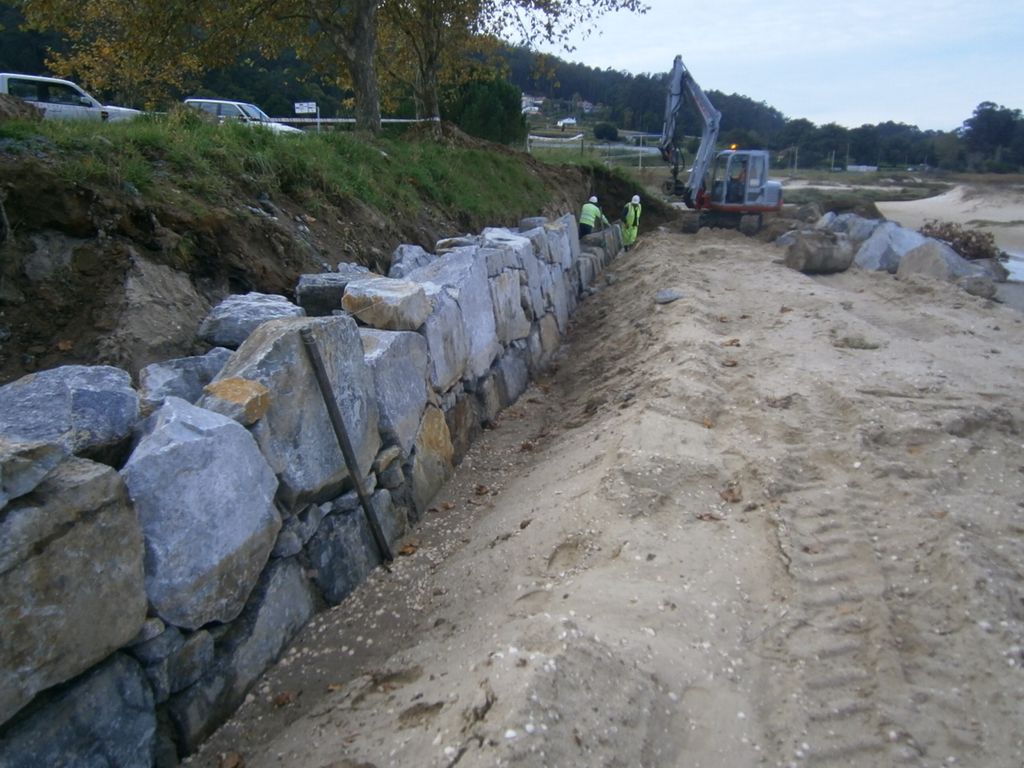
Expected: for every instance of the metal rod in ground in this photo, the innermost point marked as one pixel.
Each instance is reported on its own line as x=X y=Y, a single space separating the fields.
x=334 y=413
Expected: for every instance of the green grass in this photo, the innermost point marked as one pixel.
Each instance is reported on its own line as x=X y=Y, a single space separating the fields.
x=396 y=173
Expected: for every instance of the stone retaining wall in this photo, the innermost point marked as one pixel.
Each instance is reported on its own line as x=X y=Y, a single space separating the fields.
x=162 y=542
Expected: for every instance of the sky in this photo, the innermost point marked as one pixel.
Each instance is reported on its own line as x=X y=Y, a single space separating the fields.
x=927 y=63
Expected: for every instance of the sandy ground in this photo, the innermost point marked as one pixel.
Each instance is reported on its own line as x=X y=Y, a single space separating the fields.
x=777 y=522
x=999 y=210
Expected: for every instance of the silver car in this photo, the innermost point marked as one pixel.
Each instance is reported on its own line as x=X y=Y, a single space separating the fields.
x=242 y=111
x=61 y=99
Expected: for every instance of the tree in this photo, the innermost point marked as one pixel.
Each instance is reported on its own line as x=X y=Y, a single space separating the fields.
x=148 y=48
x=490 y=109
x=991 y=135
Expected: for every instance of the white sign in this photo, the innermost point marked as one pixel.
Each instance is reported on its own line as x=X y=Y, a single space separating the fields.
x=305 y=108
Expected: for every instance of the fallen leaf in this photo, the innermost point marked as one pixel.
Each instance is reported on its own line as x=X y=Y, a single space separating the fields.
x=708 y=422
x=731 y=343
x=731 y=494
x=729 y=363
x=481 y=490
x=408 y=549
x=447 y=505
x=284 y=698
x=65 y=345
x=231 y=760
x=709 y=516
x=786 y=309
x=723 y=318
x=335 y=687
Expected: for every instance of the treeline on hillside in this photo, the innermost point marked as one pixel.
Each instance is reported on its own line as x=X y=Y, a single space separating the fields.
x=478 y=90
x=989 y=140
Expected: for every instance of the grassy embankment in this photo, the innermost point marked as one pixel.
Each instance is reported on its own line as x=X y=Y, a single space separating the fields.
x=397 y=172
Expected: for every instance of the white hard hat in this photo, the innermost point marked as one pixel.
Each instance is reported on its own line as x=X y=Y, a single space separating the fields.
x=636 y=199
x=593 y=199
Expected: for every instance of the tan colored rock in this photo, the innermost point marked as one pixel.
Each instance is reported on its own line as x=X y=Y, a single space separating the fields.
x=386 y=303
x=243 y=400
x=432 y=458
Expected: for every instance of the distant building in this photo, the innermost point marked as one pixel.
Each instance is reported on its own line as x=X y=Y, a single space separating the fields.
x=531 y=105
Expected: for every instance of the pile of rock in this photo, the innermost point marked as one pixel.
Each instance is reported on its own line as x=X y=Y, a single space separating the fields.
x=161 y=544
x=837 y=242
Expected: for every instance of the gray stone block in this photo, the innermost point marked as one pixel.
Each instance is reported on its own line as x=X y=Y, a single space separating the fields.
x=71 y=579
x=399 y=364
x=280 y=605
x=233 y=320
x=104 y=719
x=183 y=377
x=295 y=434
x=204 y=497
x=87 y=410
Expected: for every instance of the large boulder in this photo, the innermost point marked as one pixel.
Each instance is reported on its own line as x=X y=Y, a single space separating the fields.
x=431 y=464
x=531 y=283
x=464 y=275
x=819 y=252
x=856 y=228
x=24 y=464
x=445 y=333
x=343 y=551
x=400 y=366
x=104 y=719
x=280 y=605
x=510 y=320
x=888 y=244
x=936 y=259
x=182 y=377
x=295 y=434
x=503 y=249
x=71 y=579
x=233 y=320
x=87 y=410
x=557 y=289
x=564 y=240
x=204 y=496
x=320 y=294
x=407 y=258
x=386 y=303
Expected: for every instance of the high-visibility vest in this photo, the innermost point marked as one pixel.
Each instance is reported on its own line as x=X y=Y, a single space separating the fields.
x=632 y=214
x=590 y=214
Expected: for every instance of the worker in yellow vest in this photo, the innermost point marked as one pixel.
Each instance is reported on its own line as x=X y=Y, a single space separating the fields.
x=630 y=222
x=590 y=215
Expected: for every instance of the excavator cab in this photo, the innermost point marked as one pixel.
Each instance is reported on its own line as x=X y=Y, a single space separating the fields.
x=738 y=177
x=738 y=185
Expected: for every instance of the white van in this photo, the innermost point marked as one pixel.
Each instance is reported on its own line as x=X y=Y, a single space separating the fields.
x=61 y=99
x=242 y=111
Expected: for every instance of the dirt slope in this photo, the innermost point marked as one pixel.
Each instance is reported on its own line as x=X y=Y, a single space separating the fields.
x=775 y=522
x=103 y=274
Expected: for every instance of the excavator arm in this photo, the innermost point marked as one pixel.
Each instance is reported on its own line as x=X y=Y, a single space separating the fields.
x=680 y=82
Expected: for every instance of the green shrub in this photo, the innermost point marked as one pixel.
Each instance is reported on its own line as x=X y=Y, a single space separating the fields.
x=606 y=132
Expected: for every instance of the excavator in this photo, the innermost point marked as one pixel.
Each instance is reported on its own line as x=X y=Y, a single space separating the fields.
x=724 y=187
